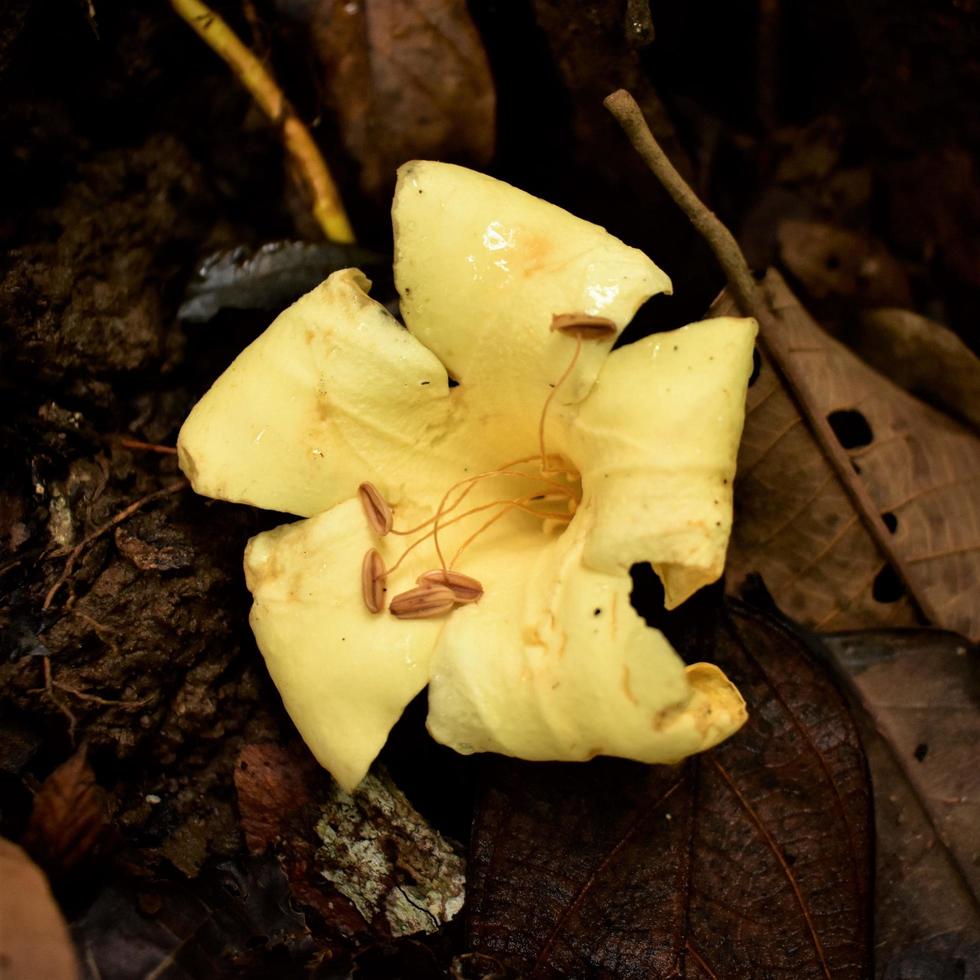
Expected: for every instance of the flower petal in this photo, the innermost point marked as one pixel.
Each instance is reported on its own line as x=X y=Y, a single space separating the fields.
x=344 y=674
x=553 y=663
x=334 y=393
x=656 y=443
x=482 y=268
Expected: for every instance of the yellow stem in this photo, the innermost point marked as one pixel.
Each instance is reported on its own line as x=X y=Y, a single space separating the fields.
x=328 y=209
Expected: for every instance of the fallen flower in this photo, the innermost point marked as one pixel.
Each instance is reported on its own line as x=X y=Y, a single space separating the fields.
x=551 y=468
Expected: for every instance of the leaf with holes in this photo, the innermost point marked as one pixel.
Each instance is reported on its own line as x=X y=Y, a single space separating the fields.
x=920 y=728
x=750 y=860
x=796 y=522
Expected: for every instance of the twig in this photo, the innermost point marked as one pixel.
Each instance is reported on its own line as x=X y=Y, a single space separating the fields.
x=328 y=209
x=126 y=512
x=751 y=302
x=150 y=447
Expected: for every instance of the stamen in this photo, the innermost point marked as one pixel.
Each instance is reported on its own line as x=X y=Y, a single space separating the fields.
x=551 y=395
x=584 y=326
x=465 y=588
x=373 y=577
x=472 y=481
x=521 y=503
x=561 y=518
x=424 y=602
x=504 y=470
x=376 y=509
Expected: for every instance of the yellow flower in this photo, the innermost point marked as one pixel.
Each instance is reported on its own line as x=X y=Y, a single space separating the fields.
x=549 y=470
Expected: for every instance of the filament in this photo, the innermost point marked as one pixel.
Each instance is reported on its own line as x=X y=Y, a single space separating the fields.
x=547 y=404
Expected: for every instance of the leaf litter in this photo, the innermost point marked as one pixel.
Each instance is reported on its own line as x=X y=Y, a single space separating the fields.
x=797 y=527
x=920 y=884
x=753 y=859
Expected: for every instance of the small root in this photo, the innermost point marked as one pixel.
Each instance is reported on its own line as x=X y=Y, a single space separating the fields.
x=51 y=685
x=75 y=552
x=149 y=447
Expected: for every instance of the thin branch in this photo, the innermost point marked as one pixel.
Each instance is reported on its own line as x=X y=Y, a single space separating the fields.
x=629 y=115
x=126 y=512
x=328 y=209
x=150 y=447
x=751 y=302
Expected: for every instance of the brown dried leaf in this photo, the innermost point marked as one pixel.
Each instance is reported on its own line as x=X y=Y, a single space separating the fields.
x=595 y=53
x=236 y=919
x=833 y=262
x=69 y=820
x=271 y=784
x=798 y=528
x=922 y=356
x=408 y=79
x=920 y=726
x=34 y=943
x=278 y=789
x=751 y=860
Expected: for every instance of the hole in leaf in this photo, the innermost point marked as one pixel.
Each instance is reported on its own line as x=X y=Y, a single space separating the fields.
x=921 y=750
x=851 y=428
x=832 y=261
x=756 y=367
x=890 y=521
x=887 y=587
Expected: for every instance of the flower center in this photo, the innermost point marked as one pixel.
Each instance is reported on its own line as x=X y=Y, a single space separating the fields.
x=552 y=492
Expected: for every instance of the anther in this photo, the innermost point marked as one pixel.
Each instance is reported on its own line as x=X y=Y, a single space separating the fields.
x=583 y=326
x=373 y=578
x=464 y=588
x=424 y=602
x=376 y=509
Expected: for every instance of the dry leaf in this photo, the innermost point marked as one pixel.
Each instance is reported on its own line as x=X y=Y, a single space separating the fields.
x=408 y=79
x=237 y=919
x=832 y=262
x=595 y=53
x=34 y=943
x=752 y=860
x=919 y=692
x=269 y=277
x=278 y=791
x=69 y=820
x=796 y=525
x=271 y=784
x=922 y=356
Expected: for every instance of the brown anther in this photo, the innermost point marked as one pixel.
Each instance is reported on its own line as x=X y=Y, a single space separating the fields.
x=425 y=602
x=376 y=509
x=373 y=576
x=463 y=587
x=583 y=326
